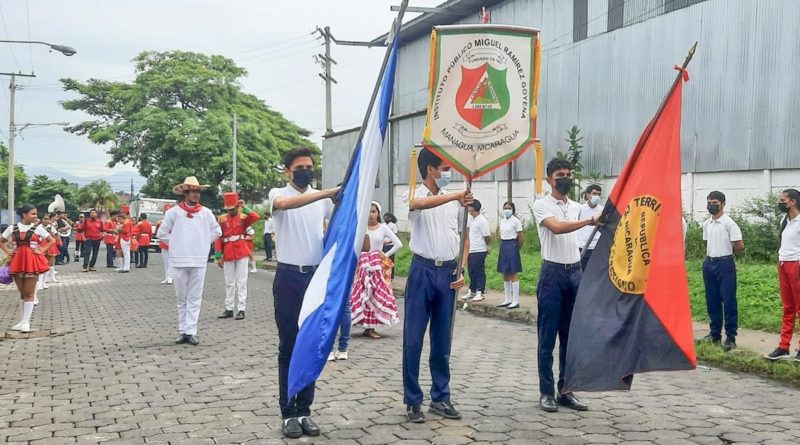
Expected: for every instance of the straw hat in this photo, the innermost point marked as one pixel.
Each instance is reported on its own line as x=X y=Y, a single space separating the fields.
x=190 y=183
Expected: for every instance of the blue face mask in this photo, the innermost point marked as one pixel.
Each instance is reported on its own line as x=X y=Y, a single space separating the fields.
x=444 y=179
x=595 y=199
x=507 y=213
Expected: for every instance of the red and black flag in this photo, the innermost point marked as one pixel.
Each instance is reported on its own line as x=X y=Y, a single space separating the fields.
x=632 y=310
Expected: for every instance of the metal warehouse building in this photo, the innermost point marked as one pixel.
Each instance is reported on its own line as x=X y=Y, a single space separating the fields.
x=606 y=65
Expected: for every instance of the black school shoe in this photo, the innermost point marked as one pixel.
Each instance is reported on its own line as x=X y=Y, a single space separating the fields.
x=226 y=314
x=291 y=428
x=730 y=343
x=414 y=414
x=777 y=354
x=571 y=402
x=240 y=316
x=444 y=409
x=309 y=427
x=181 y=340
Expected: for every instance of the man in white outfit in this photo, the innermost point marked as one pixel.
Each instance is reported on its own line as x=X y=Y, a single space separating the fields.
x=189 y=229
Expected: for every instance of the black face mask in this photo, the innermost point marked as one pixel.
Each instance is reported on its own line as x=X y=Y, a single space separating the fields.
x=564 y=185
x=713 y=208
x=783 y=207
x=302 y=178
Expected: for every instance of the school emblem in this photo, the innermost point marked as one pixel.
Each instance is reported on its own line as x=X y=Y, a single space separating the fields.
x=482 y=97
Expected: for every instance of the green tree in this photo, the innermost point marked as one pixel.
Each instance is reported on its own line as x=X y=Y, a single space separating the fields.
x=99 y=195
x=42 y=191
x=174 y=120
x=574 y=154
x=20 y=180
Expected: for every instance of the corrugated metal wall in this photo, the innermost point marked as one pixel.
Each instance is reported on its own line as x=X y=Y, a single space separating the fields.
x=741 y=107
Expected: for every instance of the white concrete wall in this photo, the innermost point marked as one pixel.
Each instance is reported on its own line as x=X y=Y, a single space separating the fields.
x=737 y=186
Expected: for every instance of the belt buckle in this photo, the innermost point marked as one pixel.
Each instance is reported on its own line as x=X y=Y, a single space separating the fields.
x=302 y=269
x=438 y=263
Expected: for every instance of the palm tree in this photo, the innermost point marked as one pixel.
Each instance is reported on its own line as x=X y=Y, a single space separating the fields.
x=99 y=195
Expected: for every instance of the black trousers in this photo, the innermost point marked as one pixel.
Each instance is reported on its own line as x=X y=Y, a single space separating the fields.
x=110 y=255
x=63 y=254
x=288 y=290
x=144 y=255
x=268 y=245
x=476 y=267
x=90 y=248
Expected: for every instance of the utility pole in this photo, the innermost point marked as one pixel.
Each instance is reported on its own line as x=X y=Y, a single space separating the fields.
x=234 y=151
x=131 y=188
x=326 y=61
x=11 y=133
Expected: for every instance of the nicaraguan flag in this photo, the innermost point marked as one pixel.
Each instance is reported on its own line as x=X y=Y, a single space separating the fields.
x=330 y=287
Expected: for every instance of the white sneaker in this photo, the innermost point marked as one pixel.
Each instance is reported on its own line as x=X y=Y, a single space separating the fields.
x=164 y=281
x=56 y=280
x=341 y=355
x=253 y=270
x=22 y=326
x=332 y=356
x=479 y=296
x=35 y=300
x=169 y=280
x=468 y=296
x=45 y=286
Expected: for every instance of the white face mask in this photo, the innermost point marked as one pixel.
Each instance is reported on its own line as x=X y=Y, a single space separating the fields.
x=594 y=199
x=444 y=179
x=507 y=213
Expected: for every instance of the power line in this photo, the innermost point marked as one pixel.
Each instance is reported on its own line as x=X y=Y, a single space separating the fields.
x=269 y=45
x=8 y=36
x=302 y=48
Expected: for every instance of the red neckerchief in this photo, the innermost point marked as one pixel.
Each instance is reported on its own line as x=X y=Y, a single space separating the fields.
x=190 y=211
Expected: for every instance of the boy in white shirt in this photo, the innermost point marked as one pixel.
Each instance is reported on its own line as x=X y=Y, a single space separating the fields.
x=479 y=237
x=591 y=208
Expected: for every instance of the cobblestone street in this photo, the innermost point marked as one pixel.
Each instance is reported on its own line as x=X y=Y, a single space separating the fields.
x=117 y=377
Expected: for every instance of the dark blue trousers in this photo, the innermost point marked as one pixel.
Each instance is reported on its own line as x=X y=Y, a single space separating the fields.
x=720 y=280
x=288 y=290
x=556 y=293
x=428 y=297
x=110 y=254
x=476 y=267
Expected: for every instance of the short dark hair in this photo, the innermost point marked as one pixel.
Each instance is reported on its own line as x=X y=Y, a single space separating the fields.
x=143 y=216
x=593 y=187
x=389 y=217
x=24 y=209
x=715 y=195
x=427 y=158
x=513 y=207
x=793 y=194
x=290 y=156
x=556 y=164
x=113 y=212
x=476 y=205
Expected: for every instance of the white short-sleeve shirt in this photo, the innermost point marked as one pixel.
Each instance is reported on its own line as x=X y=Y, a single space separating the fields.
x=434 y=232
x=299 y=231
x=478 y=230
x=719 y=234
x=40 y=231
x=790 y=241
x=562 y=248
x=509 y=227
x=268 y=226
x=584 y=233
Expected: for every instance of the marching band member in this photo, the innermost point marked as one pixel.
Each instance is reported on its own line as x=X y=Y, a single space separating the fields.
x=233 y=252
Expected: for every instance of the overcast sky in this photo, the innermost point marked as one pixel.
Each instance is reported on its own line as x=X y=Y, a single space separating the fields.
x=271 y=39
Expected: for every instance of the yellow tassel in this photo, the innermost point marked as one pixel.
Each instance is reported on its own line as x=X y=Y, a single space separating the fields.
x=538 y=173
x=412 y=178
x=426 y=132
x=537 y=63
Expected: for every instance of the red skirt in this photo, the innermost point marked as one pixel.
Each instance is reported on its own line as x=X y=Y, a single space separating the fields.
x=54 y=250
x=372 y=303
x=26 y=262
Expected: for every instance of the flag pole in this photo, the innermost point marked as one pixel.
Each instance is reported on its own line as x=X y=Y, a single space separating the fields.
x=646 y=135
x=392 y=36
x=460 y=260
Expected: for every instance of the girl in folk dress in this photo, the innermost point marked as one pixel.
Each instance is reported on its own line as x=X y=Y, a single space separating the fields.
x=372 y=302
x=26 y=244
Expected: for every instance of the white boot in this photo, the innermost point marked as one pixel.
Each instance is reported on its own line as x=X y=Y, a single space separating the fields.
x=22 y=326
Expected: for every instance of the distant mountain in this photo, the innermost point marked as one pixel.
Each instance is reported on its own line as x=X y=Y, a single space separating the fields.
x=120 y=181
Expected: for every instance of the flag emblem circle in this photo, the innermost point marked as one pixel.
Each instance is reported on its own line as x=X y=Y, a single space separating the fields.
x=631 y=249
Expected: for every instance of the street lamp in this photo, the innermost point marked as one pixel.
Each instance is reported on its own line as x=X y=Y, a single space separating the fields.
x=63 y=49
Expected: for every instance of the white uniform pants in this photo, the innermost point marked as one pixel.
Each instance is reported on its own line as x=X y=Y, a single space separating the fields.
x=165 y=260
x=126 y=254
x=189 y=289
x=236 y=283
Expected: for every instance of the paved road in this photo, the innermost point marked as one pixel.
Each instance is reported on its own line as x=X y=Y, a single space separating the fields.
x=118 y=378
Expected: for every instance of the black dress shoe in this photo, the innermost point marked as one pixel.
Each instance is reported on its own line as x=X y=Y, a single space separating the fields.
x=181 y=339
x=503 y=305
x=516 y=306
x=548 y=403
x=414 y=414
x=710 y=339
x=226 y=314
x=192 y=340
x=444 y=409
x=730 y=343
x=309 y=427
x=572 y=402
x=240 y=316
x=291 y=428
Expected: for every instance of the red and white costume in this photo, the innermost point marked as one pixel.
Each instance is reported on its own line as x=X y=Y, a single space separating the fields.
x=234 y=248
x=372 y=302
x=26 y=262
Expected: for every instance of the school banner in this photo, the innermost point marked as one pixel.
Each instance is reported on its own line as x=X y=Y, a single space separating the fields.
x=482 y=95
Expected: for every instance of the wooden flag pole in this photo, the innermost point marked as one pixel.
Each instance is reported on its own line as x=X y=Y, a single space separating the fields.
x=460 y=259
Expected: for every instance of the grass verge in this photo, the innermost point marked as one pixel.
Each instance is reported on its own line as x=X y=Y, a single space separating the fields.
x=787 y=371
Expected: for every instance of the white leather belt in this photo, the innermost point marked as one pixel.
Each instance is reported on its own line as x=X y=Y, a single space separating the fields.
x=233 y=238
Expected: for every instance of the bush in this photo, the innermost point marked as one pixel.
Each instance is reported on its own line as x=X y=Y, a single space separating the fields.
x=759 y=219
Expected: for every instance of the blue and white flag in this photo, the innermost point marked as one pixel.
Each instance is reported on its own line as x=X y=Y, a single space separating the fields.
x=330 y=287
